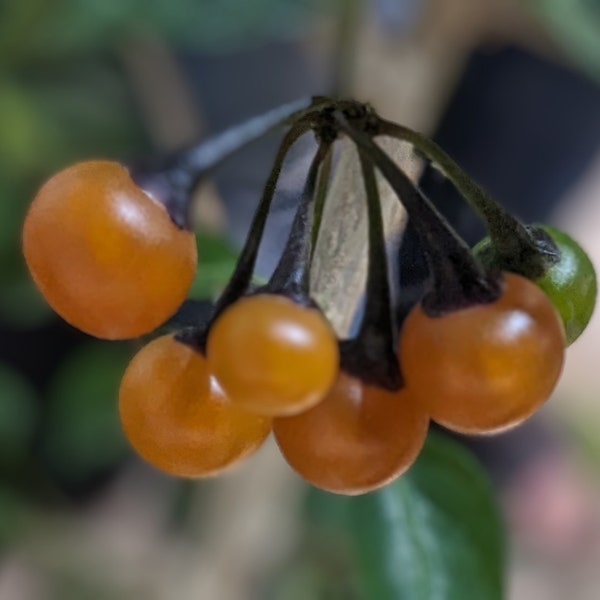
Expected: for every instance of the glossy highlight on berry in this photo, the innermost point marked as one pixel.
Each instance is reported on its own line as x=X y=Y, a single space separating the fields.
x=273 y=356
x=176 y=416
x=105 y=255
x=488 y=367
x=358 y=439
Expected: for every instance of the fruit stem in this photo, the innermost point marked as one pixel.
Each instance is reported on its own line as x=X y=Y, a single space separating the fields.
x=291 y=275
x=512 y=241
x=320 y=197
x=371 y=354
x=458 y=280
x=242 y=276
x=173 y=179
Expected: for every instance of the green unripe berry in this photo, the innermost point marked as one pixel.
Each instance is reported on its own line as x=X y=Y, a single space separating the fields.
x=569 y=282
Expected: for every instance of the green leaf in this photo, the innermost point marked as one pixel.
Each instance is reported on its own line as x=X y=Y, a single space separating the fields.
x=433 y=534
x=89 y=106
x=27 y=138
x=576 y=25
x=216 y=262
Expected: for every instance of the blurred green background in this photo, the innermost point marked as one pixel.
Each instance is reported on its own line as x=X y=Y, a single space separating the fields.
x=67 y=94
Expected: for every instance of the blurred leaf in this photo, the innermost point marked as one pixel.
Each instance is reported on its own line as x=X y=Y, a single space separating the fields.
x=576 y=23
x=210 y=25
x=89 y=103
x=18 y=412
x=27 y=138
x=17 y=21
x=83 y=432
x=216 y=262
x=80 y=26
x=45 y=30
x=13 y=513
x=433 y=534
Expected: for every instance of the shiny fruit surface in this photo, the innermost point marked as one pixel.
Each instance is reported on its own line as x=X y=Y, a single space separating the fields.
x=359 y=438
x=485 y=368
x=176 y=416
x=104 y=254
x=570 y=283
x=272 y=355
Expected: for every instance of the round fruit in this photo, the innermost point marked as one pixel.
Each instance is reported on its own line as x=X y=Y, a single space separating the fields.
x=359 y=438
x=272 y=355
x=570 y=283
x=105 y=255
x=485 y=368
x=176 y=416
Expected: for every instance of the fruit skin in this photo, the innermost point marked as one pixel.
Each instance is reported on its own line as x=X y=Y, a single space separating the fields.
x=358 y=439
x=485 y=368
x=570 y=283
x=176 y=416
x=105 y=255
x=273 y=356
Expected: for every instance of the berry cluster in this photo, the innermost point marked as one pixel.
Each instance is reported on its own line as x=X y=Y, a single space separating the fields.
x=113 y=255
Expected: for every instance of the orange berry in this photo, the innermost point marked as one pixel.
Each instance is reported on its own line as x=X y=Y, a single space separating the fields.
x=176 y=416
x=359 y=438
x=485 y=368
x=273 y=356
x=105 y=255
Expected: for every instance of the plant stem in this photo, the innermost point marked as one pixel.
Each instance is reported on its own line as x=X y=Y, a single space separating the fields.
x=371 y=355
x=320 y=197
x=242 y=275
x=206 y=156
x=172 y=180
x=291 y=275
x=508 y=235
x=458 y=280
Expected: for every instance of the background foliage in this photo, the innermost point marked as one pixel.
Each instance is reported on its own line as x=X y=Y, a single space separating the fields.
x=65 y=95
